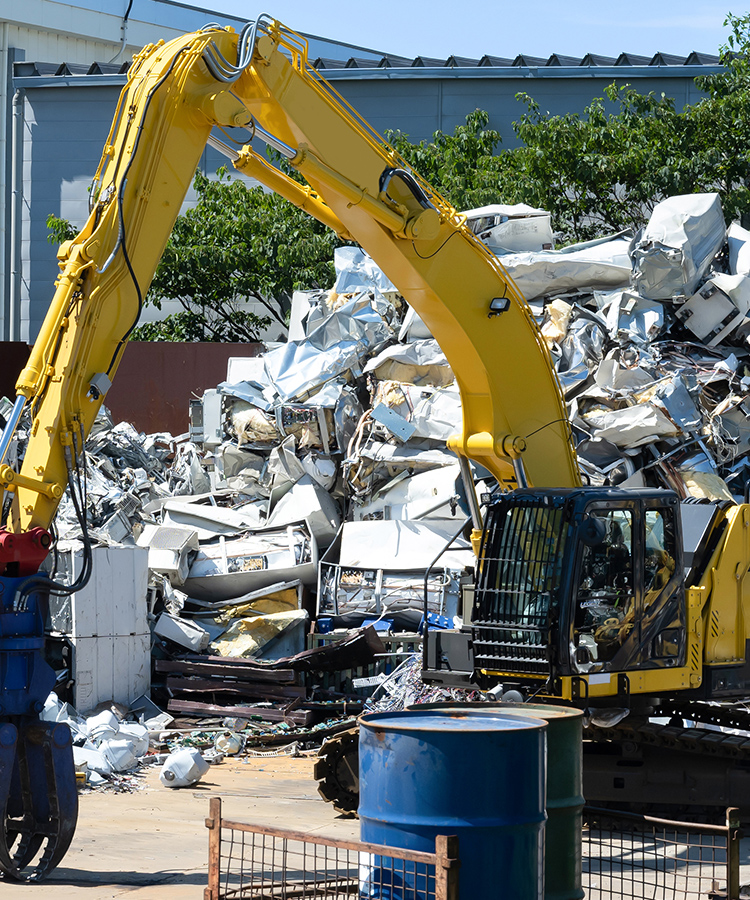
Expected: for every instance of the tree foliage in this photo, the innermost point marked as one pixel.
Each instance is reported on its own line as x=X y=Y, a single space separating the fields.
x=60 y=230
x=238 y=243
x=604 y=169
x=462 y=167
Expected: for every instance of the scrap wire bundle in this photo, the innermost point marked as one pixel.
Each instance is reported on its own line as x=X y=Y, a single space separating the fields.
x=404 y=687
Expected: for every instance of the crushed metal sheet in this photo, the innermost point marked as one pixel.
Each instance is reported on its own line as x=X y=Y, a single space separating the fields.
x=337 y=346
x=355 y=269
x=674 y=250
x=227 y=568
x=309 y=501
x=209 y=520
x=420 y=362
x=631 y=426
x=634 y=319
x=594 y=265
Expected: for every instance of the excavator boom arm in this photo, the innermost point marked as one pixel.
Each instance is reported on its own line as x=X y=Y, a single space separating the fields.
x=357 y=185
x=175 y=94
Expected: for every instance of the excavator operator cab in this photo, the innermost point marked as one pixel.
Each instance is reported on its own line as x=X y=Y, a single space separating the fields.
x=576 y=583
x=627 y=607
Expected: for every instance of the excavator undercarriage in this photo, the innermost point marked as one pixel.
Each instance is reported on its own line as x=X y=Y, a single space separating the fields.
x=639 y=765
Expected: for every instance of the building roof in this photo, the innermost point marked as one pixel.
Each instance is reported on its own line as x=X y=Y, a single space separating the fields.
x=590 y=60
x=556 y=65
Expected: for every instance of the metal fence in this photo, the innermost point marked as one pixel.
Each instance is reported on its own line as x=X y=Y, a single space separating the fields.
x=625 y=856
x=263 y=863
x=632 y=856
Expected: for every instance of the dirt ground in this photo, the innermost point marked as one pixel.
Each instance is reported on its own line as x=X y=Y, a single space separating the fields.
x=153 y=844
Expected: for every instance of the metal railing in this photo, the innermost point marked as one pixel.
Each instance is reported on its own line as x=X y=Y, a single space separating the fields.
x=626 y=855
x=264 y=863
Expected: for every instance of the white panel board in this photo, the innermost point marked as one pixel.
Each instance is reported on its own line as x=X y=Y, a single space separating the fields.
x=110 y=633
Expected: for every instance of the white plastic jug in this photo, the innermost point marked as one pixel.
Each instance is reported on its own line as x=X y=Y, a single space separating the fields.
x=183 y=768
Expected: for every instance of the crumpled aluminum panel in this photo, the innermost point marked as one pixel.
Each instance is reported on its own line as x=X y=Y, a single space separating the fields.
x=674 y=250
x=335 y=347
x=593 y=265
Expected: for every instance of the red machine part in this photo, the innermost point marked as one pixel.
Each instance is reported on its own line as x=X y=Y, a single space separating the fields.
x=23 y=554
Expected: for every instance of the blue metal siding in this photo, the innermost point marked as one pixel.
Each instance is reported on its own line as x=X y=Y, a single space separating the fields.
x=421 y=107
x=65 y=128
x=64 y=132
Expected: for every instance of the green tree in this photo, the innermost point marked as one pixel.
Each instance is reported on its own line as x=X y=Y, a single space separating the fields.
x=60 y=230
x=238 y=243
x=722 y=122
x=462 y=166
x=603 y=170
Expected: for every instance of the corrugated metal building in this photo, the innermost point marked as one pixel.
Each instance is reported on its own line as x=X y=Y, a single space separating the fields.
x=64 y=66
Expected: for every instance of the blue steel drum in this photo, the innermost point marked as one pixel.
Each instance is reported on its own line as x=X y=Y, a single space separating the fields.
x=564 y=803
x=480 y=777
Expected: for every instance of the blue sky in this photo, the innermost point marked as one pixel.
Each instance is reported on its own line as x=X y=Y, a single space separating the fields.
x=501 y=28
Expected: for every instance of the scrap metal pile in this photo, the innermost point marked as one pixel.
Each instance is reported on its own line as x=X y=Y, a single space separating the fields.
x=650 y=338
x=315 y=483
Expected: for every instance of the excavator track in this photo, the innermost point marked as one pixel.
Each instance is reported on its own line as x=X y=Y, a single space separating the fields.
x=337 y=771
x=697 y=770
x=678 y=736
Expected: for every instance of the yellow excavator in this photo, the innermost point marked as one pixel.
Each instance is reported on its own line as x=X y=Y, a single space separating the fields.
x=581 y=593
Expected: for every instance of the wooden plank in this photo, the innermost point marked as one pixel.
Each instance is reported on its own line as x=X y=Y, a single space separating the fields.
x=217 y=686
x=353 y=846
x=296 y=717
x=240 y=672
x=447 y=866
x=213 y=823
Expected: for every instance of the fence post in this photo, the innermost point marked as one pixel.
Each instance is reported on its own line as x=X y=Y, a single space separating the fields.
x=447 y=864
x=733 y=853
x=213 y=823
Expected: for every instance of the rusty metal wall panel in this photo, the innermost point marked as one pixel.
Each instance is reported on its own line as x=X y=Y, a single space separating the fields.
x=154 y=383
